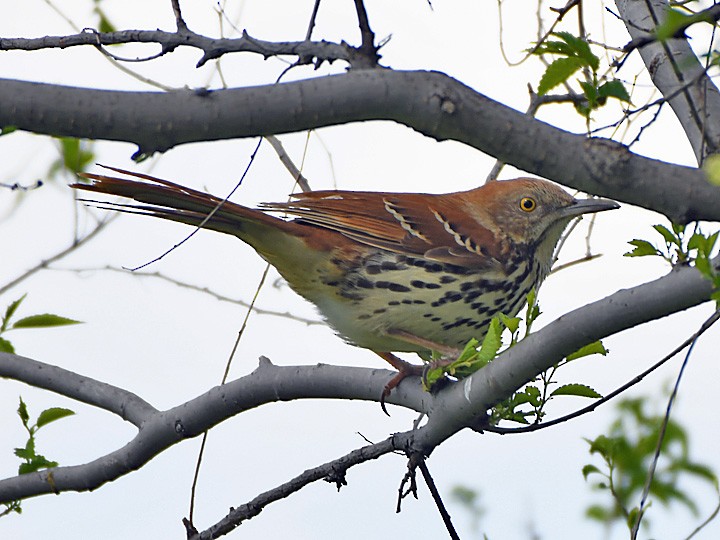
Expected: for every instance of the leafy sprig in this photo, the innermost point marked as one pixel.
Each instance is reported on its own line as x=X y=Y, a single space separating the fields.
x=681 y=247
x=42 y=320
x=574 y=54
x=527 y=403
x=32 y=461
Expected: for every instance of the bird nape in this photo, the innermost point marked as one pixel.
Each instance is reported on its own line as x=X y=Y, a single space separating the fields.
x=390 y=272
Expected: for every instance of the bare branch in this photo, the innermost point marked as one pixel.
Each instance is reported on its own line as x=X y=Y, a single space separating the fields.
x=212 y=47
x=54 y=258
x=332 y=471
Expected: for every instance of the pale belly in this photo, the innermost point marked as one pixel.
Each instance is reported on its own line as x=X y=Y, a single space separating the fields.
x=441 y=303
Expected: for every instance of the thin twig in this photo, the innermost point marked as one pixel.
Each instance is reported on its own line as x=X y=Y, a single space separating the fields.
x=438 y=499
x=289 y=165
x=661 y=436
x=311 y=24
x=210 y=214
x=535 y=427
x=54 y=258
x=181 y=24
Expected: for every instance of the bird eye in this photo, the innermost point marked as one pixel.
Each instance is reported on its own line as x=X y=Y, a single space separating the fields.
x=527 y=204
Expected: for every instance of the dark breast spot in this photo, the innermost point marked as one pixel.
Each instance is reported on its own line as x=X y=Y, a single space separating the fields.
x=391 y=286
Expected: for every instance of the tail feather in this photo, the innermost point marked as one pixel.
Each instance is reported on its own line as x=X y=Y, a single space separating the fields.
x=167 y=200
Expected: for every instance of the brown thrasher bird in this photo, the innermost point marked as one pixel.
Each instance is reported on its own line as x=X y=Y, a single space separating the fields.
x=390 y=272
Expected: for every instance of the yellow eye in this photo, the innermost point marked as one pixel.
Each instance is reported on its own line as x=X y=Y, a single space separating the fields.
x=527 y=204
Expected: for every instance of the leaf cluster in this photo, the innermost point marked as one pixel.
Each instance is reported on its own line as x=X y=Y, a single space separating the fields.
x=627 y=453
x=43 y=320
x=32 y=461
x=527 y=404
x=574 y=54
x=683 y=248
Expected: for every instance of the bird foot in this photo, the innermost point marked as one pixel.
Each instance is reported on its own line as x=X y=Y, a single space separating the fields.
x=404 y=369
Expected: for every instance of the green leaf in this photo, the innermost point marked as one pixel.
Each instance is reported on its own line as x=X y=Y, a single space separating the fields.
x=576 y=389
x=667 y=234
x=39 y=462
x=23 y=413
x=44 y=320
x=642 y=249
x=674 y=20
x=587 y=470
x=553 y=47
x=591 y=94
x=615 y=89
x=75 y=157
x=595 y=347
x=558 y=72
x=52 y=414
x=711 y=167
x=511 y=323
x=581 y=48
x=6 y=346
x=6 y=130
x=632 y=517
x=11 y=309
x=491 y=343
x=704 y=267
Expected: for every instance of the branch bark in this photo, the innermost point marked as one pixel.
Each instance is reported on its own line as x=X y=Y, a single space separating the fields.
x=677 y=73
x=429 y=102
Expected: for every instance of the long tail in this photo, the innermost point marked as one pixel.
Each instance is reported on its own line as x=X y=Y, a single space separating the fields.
x=167 y=200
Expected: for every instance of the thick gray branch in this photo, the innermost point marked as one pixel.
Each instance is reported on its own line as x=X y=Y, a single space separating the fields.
x=158 y=430
x=125 y=404
x=429 y=102
x=677 y=73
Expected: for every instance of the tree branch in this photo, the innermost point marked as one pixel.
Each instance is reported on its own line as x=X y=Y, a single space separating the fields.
x=322 y=51
x=429 y=102
x=460 y=405
x=671 y=65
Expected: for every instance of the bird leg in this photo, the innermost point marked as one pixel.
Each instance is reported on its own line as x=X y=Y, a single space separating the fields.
x=422 y=342
x=406 y=368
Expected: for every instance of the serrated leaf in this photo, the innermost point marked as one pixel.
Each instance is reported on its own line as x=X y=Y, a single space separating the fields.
x=11 y=309
x=576 y=389
x=558 y=72
x=667 y=234
x=595 y=347
x=491 y=343
x=615 y=89
x=587 y=470
x=23 y=453
x=44 y=320
x=642 y=248
x=39 y=462
x=581 y=48
x=553 y=47
x=52 y=414
x=23 y=412
x=511 y=323
x=6 y=346
x=591 y=93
